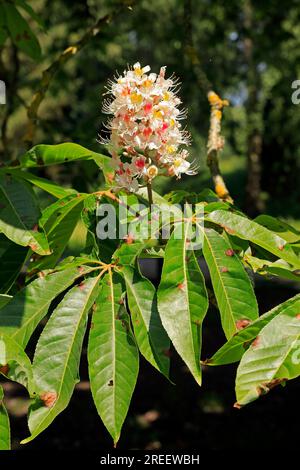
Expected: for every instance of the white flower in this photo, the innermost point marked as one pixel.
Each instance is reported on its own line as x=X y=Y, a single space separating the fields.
x=145 y=128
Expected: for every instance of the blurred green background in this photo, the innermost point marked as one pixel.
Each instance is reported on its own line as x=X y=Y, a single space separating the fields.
x=247 y=51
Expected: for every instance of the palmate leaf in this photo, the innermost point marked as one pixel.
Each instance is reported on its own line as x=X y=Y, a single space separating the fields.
x=232 y=286
x=182 y=300
x=59 y=221
x=233 y=350
x=273 y=357
x=19 y=215
x=152 y=340
x=21 y=33
x=20 y=317
x=15 y=364
x=4 y=425
x=12 y=257
x=57 y=356
x=112 y=356
x=256 y=233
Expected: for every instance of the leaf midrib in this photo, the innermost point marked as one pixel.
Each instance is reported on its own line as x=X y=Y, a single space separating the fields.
x=68 y=356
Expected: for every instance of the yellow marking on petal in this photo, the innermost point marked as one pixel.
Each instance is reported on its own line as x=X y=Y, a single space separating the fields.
x=147 y=83
x=158 y=114
x=166 y=96
x=136 y=98
x=171 y=148
x=172 y=122
x=138 y=71
x=177 y=162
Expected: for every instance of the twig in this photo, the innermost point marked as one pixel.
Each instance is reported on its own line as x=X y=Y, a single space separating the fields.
x=215 y=143
x=49 y=73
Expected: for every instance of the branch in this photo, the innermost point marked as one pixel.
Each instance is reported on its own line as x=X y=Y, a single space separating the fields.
x=215 y=140
x=50 y=72
x=215 y=143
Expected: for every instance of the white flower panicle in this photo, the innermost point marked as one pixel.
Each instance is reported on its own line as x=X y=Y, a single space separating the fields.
x=145 y=132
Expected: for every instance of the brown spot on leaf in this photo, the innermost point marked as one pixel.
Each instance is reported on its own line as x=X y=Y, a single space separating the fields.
x=237 y=406
x=33 y=246
x=94 y=306
x=41 y=274
x=121 y=301
x=281 y=247
x=81 y=285
x=242 y=323
x=229 y=252
x=180 y=286
x=92 y=325
x=256 y=342
x=48 y=398
x=223 y=269
x=298 y=316
x=80 y=269
x=167 y=352
x=197 y=322
x=110 y=383
x=229 y=230
x=4 y=369
x=128 y=239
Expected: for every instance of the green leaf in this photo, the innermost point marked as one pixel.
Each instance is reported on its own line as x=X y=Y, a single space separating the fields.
x=249 y=230
x=26 y=7
x=4 y=299
x=152 y=340
x=233 y=350
x=44 y=184
x=12 y=257
x=273 y=358
x=19 y=215
x=57 y=356
x=4 y=425
x=44 y=155
x=275 y=225
x=275 y=268
x=232 y=286
x=112 y=356
x=182 y=300
x=126 y=254
x=21 y=33
x=22 y=314
x=15 y=364
x=59 y=221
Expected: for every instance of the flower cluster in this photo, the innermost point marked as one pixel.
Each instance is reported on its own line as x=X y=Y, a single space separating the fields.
x=145 y=132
